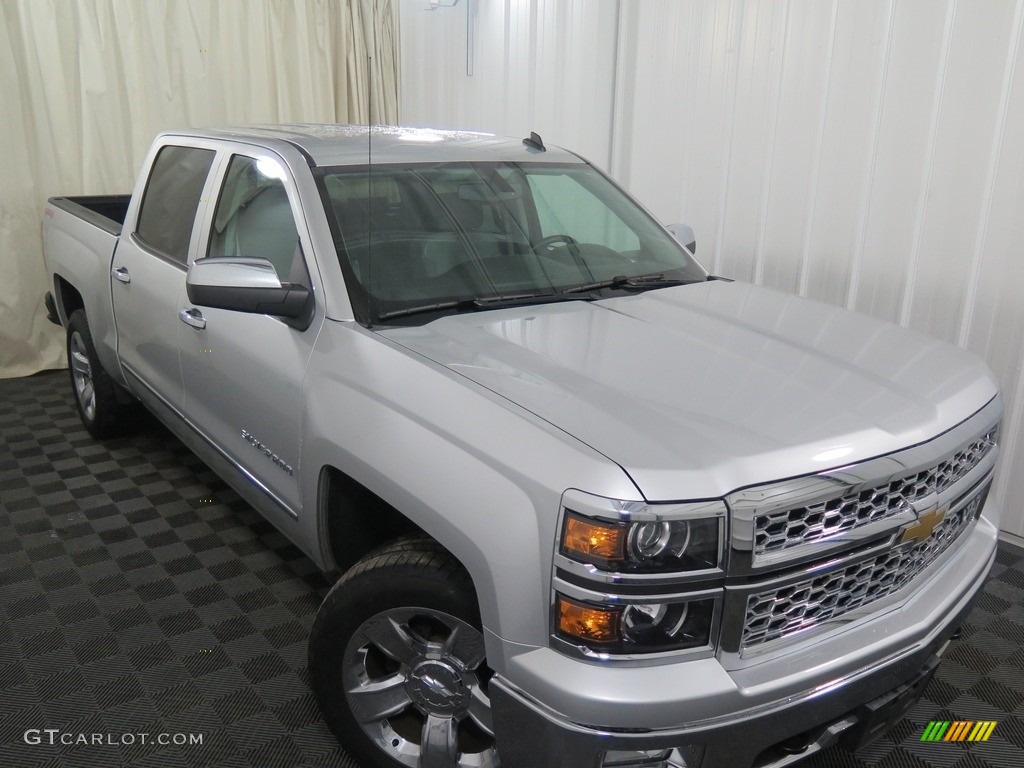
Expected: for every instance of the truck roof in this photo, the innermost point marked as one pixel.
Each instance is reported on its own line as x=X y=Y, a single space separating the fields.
x=328 y=144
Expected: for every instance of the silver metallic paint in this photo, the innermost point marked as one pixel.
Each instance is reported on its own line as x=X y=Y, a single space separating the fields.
x=702 y=389
x=232 y=273
x=475 y=425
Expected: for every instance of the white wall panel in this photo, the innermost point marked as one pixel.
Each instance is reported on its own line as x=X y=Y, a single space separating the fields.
x=865 y=153
x=539 y=65
x=661 y=109
x=970 y=85
x=849 y=133
x=803 y=100
x=753 y=140
x=993 y=320
x=676 y=60
x=906 y=115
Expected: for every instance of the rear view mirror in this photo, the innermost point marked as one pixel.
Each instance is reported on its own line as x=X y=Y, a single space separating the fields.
x=684 y=234
x=245 y=285
x=482 y=193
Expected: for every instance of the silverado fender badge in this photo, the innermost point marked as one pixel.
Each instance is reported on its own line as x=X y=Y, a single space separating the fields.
x=923 y=528
x=267 y=452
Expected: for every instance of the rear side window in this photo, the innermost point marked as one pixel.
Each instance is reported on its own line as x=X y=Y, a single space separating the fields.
x=171 y=199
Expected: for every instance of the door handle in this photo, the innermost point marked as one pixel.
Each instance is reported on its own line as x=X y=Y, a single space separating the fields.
x=193 y=317
x=121 y=274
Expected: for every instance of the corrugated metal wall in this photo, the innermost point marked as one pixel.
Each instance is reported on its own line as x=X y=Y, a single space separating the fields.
x=542 y=65
x=866 y=153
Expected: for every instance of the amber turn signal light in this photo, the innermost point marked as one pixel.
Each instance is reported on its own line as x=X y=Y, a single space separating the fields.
x=593 y=540
x=587 y=623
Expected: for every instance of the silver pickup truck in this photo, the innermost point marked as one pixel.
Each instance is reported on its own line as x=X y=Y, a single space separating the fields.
x=588 y=505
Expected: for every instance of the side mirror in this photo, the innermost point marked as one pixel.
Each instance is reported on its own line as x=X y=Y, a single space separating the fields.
x=684 y=234
x=245 y=285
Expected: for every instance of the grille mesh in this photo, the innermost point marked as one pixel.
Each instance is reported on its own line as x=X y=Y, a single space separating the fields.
x=782 y=612
x=786 y=528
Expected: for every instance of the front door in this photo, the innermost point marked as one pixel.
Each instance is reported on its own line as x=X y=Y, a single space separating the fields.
x=243 y=373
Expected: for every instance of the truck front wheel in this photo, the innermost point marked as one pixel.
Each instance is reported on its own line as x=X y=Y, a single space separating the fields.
x=396 y=658
x=95 y=392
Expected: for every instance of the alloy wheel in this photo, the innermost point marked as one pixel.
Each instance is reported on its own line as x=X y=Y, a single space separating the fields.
x=416 y=682
x=81 y=371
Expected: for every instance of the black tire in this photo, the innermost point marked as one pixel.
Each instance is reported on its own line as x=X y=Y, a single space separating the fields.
x=409 y=596
x=94 y=391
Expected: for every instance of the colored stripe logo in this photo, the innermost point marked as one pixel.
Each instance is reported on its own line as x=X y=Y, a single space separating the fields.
x=958 y=730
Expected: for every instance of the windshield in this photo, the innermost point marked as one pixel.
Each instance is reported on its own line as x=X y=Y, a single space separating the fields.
x=429 y=239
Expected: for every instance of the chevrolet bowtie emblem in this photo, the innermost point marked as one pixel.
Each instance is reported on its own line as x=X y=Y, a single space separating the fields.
x=922 y=529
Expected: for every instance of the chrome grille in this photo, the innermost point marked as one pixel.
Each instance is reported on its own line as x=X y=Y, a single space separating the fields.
x=779 y=613
x=779 y=530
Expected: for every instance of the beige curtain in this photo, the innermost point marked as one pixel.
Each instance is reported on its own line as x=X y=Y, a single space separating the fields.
x=86 y=84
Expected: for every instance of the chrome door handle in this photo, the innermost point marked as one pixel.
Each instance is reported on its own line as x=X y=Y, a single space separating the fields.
x=193 y=317
x=121 y=274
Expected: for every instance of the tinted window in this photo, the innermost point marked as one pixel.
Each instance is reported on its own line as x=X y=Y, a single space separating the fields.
x=254 y=218
x=450 y=234
x=172 y=197
x=566 y=207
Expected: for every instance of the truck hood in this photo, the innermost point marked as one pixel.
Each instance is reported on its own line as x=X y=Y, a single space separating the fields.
x=698 y=390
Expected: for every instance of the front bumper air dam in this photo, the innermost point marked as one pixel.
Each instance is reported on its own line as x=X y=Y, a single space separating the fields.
x=531 y=736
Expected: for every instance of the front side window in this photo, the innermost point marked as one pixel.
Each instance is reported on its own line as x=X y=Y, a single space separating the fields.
x=171 y=199
x=423 y=239
x=254 y=219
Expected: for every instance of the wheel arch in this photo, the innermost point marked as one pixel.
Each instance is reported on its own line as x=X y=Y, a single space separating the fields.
x=68 y=298
x=498 y=548
x=480 y=476
x=354 y=520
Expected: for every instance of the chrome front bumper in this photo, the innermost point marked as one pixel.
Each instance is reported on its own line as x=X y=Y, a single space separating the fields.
x=551 y=711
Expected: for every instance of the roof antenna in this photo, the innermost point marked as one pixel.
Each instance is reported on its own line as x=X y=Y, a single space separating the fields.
x=535 y=142
x=371 y=60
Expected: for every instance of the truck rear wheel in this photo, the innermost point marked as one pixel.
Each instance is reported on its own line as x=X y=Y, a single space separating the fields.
x=94 y=390
x=396 y=658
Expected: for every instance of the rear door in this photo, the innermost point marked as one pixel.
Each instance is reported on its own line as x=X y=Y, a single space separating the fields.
x=148 y=270
x=243 y=373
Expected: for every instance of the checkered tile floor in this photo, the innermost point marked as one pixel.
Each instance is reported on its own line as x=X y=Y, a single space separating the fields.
x=139 y=595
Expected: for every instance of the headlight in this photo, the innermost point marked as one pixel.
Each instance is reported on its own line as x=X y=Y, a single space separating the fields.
x=652 y=545
x=636 y=627
x=636 y=580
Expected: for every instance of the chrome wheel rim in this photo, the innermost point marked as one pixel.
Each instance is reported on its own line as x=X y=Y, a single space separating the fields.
x=416 y=682
x=81 y=373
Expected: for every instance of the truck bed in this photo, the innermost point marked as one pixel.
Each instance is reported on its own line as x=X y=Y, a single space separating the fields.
x=80 y=235
x=104 y=211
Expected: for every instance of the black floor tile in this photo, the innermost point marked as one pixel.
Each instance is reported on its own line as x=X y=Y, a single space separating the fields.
x=120 y=604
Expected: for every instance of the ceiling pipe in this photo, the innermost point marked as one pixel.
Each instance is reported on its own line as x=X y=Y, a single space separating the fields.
x=435 y=4
x=469 y=38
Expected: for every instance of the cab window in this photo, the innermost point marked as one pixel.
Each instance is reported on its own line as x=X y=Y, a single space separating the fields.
x=171 y=199
x=254 y=219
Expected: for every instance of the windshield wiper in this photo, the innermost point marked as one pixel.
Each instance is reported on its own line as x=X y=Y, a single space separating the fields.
x=463 y=305
x=621 y=281
x=481 y=303
x=516 y=299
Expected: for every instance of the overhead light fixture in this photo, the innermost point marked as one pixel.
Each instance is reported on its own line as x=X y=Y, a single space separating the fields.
x=435 y=4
